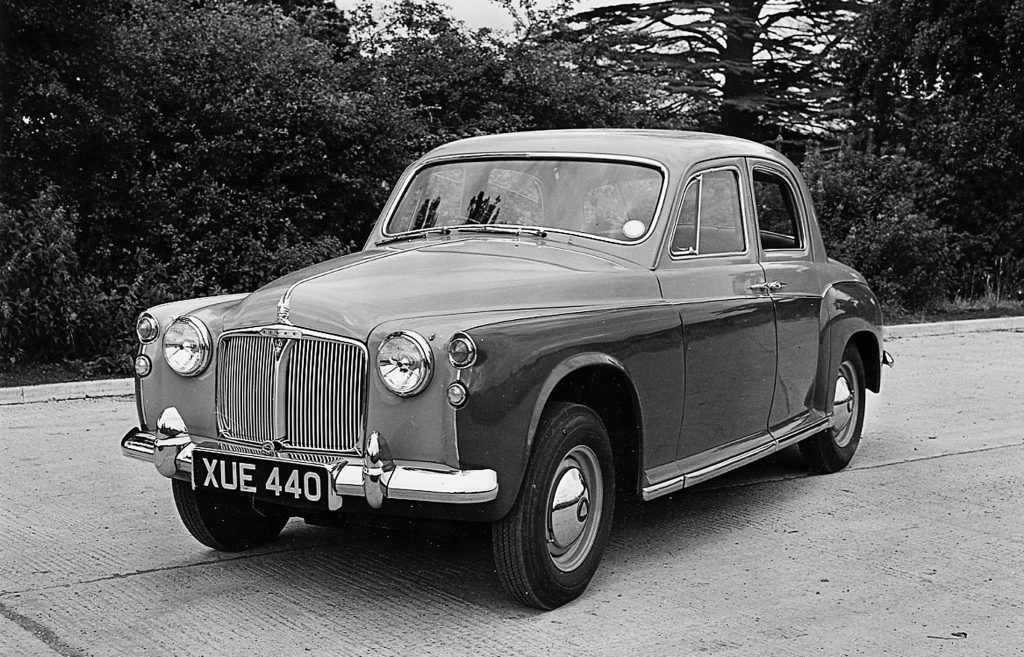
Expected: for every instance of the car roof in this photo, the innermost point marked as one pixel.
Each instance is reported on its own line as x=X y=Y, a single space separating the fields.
x=674 y=148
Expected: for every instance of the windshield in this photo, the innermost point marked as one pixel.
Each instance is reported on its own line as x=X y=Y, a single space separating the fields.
x=610 y=200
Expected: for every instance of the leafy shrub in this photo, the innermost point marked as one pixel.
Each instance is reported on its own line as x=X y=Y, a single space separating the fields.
x=882 y=216
x=43 y=292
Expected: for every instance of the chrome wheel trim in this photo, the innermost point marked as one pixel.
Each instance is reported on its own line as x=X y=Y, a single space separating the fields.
x=845 y=405
x=575 y=501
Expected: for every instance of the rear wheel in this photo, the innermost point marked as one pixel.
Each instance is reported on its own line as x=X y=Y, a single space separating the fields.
x=548 y=547
x=832 y=449
x=223 y=521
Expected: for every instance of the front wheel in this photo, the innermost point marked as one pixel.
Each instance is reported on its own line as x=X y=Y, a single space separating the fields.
x=223 y=521
x=832 y=449
x=548 y=547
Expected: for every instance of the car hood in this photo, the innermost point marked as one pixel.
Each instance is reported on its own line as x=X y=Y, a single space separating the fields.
x=351 y=295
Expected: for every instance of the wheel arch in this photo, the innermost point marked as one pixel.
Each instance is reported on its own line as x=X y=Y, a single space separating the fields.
x=853 y=316
x=601 y=383
x=871 y=357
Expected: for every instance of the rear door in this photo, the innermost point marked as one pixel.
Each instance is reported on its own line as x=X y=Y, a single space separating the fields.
x=795 y=289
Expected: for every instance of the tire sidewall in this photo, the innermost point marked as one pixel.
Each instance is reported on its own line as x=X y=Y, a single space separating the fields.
x=581 y=427
x=835 y=457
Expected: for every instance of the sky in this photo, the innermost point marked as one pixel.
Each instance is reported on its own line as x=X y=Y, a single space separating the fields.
x=484 y=13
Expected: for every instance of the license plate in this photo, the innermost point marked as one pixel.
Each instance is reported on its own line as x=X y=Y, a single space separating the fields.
x=284 y=482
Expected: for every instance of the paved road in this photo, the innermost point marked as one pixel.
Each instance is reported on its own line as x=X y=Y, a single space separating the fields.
x=914 y=550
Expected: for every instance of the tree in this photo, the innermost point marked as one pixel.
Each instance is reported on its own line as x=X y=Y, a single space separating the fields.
x=942 y=81
x=749 y=68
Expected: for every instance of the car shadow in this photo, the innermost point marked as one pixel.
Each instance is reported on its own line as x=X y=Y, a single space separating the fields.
x=449 y=563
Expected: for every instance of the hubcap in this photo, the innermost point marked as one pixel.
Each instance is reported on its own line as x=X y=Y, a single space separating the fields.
x=574 y=508
x=844 y=405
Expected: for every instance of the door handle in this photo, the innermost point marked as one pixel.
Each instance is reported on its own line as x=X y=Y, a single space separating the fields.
x=770 y=286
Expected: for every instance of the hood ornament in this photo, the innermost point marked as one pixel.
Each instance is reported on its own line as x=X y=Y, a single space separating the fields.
x=283 y=308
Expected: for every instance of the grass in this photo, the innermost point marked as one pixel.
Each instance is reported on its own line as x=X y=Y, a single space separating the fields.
x=33 y=374
x=958 y=309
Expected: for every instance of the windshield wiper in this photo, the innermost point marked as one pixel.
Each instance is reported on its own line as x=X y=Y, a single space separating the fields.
x=505 y=230
x=441 y=230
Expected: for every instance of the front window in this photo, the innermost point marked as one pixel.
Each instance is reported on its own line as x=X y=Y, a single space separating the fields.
x=711 y=220
x=612 y=200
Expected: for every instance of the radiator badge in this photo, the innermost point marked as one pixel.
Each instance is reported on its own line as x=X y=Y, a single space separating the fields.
x=279 y=344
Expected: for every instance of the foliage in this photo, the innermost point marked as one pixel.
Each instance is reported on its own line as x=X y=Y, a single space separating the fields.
x=750 y=68
x=154 y=150
x=944 y=82
x=174 y=149
x=880 y=216
x=42 y=290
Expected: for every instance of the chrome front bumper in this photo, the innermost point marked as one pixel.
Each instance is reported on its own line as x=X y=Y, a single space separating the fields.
x=374 y=476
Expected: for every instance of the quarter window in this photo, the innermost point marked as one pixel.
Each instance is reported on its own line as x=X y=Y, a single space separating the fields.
x=711 y=220
x=777 y=218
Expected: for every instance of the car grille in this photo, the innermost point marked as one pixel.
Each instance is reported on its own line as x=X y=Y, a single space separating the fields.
x=307 y=392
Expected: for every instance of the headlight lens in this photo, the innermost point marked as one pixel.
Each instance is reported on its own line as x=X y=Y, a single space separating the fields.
x=404 y=363
x=147 y=328
x=187 y=348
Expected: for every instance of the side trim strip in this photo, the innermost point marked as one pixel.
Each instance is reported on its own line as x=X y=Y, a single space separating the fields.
x=704 y=474
x=695 y=477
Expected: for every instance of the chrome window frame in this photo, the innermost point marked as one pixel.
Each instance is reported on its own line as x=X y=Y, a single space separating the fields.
x=499 y=156
x=676 y=256
x=798 y=206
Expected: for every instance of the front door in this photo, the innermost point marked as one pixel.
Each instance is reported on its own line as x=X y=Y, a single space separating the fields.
x=710 y=272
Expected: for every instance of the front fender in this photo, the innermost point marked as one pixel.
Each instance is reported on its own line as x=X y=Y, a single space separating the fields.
x=193 y=396
x=521 y=363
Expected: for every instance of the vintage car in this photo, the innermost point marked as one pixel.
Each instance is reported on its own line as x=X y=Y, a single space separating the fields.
x=538 y=325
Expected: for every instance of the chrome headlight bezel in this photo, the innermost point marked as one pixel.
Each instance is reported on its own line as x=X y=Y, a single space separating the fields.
x=420 y=354
x=202 y=346
x=462 y=351
x=147 y=319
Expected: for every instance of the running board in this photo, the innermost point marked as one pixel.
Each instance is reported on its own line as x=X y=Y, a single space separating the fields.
x=688 y=479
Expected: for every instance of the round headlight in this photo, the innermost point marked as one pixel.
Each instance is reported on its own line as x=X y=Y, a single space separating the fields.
x=187 y=348
x=147 y=328
x=461 y=350
x=404 y=363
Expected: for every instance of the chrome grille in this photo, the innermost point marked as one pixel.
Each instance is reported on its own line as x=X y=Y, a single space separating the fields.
x=245 y=378
x=312 y=394
x=324 y=399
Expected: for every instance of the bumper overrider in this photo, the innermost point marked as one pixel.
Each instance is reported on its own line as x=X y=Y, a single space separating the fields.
x=374 y=476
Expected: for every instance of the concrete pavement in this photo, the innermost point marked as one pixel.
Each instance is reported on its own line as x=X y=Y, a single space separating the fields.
x=913 y=550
